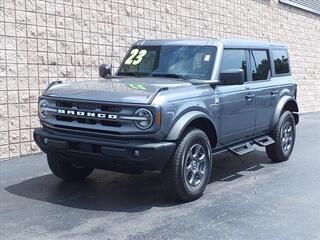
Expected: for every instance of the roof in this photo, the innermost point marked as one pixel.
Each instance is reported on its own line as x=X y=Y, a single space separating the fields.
x=229 y=43
x=249 y=43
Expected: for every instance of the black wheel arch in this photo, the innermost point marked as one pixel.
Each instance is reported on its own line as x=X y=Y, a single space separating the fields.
x=197 y=119
x=286 y=103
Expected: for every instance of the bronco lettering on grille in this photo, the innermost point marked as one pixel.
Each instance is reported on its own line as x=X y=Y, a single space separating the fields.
x=87 y=114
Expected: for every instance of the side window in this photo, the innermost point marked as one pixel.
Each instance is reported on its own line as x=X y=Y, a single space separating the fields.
x=260 y=65
x=234 y=59
x=281 y=62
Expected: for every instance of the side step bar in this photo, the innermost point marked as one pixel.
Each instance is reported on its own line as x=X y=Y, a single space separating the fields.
x=263 y=141
x=241 y=149
x=246 y=147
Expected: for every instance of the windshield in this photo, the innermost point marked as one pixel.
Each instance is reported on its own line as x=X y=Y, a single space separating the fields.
x=183 y=62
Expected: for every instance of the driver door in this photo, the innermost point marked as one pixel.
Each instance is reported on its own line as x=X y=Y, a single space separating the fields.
x=236 y=102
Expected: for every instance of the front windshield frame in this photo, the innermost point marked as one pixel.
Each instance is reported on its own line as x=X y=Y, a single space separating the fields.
x=212 y=51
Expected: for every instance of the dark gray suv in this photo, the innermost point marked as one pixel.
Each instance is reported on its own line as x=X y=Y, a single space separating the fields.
x=171 y=106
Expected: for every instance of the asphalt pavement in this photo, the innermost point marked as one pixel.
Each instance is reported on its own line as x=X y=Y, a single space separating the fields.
x=247 y=198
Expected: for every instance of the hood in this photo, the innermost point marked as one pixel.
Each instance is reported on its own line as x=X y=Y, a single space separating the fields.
x=123 y=89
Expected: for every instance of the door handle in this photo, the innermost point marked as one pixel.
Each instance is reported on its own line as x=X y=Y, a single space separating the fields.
x=274 y=92
x=249 y=97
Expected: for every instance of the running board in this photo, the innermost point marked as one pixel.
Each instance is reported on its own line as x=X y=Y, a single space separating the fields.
x=263 y=141
x=241 y=149
x=246 y=147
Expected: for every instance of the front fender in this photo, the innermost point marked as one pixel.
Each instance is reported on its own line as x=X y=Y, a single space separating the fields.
x=180 y=125
x=281 y=105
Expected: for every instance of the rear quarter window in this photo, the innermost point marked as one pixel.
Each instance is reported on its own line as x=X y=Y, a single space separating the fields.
x=281 y=61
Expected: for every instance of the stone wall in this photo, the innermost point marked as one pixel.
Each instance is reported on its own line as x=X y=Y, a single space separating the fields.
x=42 y=41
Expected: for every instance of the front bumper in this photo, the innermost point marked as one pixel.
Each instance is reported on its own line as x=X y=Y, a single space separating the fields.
x=106 y=153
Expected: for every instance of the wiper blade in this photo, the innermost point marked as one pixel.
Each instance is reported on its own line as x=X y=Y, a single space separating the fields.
x=169 y=75
x=135 y=74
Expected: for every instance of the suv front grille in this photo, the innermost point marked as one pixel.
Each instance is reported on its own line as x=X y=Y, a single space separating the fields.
x=88 y=106
x=98 y=117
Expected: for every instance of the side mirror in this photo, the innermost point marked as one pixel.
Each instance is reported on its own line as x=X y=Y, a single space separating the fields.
x=104 y=70
x=232 y=77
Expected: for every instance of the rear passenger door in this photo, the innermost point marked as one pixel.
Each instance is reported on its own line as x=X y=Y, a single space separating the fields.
x=265 y=91
x=237 y=106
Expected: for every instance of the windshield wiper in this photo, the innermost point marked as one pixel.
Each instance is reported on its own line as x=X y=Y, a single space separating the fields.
x=169 y=75
x=135 y=74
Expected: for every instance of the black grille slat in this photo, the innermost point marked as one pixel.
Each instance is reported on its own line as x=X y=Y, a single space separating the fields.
x=64 y=118
x=64 y=104
x=110 y=108
x=87 y=129
x=86 y=121
x=86 y=106
x=110 y=123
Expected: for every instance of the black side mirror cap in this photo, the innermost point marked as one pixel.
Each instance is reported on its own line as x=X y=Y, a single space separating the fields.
x=104 y=70
x=232 y=77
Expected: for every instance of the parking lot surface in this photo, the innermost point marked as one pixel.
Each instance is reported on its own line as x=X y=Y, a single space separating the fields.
x=248 y=198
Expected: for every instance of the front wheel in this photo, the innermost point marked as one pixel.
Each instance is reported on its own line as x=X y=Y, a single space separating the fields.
x=284 y=135
x=187 y=174
x=65 y=169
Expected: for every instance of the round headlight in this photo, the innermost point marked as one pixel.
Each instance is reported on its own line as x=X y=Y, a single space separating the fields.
x=42 y=105
x=146 y=118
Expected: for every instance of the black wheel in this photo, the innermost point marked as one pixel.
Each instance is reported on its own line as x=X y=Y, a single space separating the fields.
x=63 y=168
x=284 y=135
x=186 y=175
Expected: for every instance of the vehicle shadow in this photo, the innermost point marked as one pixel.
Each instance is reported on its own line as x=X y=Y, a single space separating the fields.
x=228 y=167
x=108 y=191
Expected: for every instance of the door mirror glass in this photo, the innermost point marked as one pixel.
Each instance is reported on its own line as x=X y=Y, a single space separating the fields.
x=104 y=70
x=232 y=77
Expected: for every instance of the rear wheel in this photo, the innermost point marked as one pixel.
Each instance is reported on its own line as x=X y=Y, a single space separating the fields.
x=65 y=169
x=284 y=135
x=187 y=174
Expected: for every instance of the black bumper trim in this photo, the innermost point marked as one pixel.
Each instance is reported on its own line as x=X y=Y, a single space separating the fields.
x=102 y=153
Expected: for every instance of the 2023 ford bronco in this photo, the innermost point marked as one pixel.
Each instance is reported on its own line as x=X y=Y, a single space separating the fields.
x=171 y=106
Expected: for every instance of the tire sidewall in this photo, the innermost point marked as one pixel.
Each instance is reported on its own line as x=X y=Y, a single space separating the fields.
x=285 y=117
x=63 y=168
x=195 y=136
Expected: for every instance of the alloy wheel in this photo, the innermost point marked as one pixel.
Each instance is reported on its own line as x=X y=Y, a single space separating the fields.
x=196 y=162
x=287 y=136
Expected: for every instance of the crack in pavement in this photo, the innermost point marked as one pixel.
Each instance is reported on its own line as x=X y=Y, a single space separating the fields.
x=253 y=178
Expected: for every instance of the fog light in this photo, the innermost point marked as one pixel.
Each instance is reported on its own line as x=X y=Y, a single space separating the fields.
x=136 y=153
x=45 y=140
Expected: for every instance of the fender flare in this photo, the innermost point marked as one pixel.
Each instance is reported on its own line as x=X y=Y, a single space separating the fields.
x=281 y=104
x=180 y=125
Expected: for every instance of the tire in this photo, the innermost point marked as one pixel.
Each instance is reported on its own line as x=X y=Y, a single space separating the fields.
x=63 y=168
x=187 y=174
x=284 y=135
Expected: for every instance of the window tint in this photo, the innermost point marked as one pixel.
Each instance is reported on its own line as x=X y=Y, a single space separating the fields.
x=281 y=63
x=234 y=59
x=260 y=65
